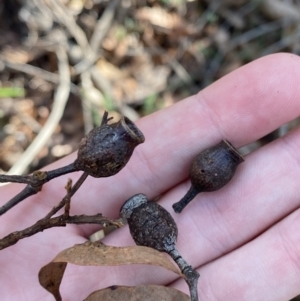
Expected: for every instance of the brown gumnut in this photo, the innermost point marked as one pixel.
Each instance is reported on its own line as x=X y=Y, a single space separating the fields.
x=105 y=150
x=212 y=169
x=152 y=226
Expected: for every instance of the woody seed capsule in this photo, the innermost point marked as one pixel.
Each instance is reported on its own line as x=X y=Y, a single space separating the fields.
x=212 y=169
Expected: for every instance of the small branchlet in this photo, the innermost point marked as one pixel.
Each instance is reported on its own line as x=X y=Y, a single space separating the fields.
x=34 y=183
x=59 y=221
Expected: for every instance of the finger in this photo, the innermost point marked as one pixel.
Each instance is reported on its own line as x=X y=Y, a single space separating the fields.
x=139 y=177
x=220 y=222
x=264 y=190
x=265 y=269
x=20 y=264
x=240 y=107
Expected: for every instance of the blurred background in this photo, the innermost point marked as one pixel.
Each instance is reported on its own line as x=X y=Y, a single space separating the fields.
x=62 y=63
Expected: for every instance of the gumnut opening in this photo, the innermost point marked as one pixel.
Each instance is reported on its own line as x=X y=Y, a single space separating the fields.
x=131 y=204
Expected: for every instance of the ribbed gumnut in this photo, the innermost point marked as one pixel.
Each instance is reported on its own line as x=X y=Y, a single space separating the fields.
x=212 y=169
x=150 y=224
x=105 y=150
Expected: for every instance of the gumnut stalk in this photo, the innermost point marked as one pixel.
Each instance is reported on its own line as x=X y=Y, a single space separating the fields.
x=152 y=226
x=212 y=169
x=105 y=150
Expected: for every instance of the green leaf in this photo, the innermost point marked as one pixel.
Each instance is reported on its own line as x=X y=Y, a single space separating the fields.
x=12 y=92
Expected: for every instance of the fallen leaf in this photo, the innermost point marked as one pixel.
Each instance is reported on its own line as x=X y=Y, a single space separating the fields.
x=160 y=17
x=98 y=254
x=50 y=278
x=137 y=293
x=109 y=71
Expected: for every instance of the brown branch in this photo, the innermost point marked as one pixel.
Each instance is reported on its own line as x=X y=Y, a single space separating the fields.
x=191 y=275
x=34 y=183
x=15 y=179
x=59 y=221
x=68 y=187
x=70 y=192
x=37 y=72
x=101 y=29
x=25 y=193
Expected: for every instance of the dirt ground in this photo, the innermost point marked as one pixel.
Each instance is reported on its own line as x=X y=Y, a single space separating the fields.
x=62 y=63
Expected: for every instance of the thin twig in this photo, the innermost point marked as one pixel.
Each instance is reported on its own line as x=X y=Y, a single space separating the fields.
x=68 y=199
x=214 y=5
x=172 y=61
x=32 y=70
x=191 y=275
x=25 y=193
x=281 y=44
x=63 y=16
x=101 y=29
x=34 y=183
x=44 y=9
x=103 y=25
x=87 y=86
x=60 y=100
x=278 y=9
x=37 y=72
x=70 y=193
x=15 y=179
x=103 y=85
x=239 y=40
x=59 y=221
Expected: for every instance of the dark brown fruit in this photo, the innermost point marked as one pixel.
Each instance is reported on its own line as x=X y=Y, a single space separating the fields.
x=105 y=150
x=150 y=224
x=211 y=170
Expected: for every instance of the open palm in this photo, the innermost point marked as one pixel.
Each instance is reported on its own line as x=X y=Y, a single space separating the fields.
x=244 y=238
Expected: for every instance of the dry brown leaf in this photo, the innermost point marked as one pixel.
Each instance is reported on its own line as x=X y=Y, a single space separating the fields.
x=159 y=17
x=50 y=278
x=109 y=71
x=137 y=293
x=98 y=254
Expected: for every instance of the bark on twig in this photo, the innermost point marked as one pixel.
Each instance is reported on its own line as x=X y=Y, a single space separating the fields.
x=59 y=221
x=34 y=184
x=70 y=192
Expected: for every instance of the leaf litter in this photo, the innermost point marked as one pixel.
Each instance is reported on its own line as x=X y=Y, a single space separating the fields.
x=99 y=254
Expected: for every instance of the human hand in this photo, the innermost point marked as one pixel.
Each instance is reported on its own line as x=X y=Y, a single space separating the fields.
x=243 y=238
